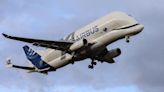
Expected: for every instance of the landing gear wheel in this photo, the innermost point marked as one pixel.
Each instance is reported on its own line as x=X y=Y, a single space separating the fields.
x=127 y=39
x=90 y=66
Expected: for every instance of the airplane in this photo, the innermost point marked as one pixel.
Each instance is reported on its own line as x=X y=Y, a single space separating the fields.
x=90 y=42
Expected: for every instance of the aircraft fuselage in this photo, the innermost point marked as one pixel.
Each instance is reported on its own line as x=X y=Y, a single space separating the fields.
x=98 y=35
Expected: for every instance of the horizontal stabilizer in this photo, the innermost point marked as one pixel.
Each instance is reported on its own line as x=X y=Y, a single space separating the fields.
x=9 y=64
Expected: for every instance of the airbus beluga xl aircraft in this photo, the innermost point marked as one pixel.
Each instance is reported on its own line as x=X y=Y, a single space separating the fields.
x=90 y=41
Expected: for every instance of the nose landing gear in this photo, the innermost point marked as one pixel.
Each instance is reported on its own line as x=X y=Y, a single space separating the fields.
x=92 y=64
x=127 y=39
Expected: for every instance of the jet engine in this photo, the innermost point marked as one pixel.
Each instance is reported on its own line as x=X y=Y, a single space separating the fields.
x=110 y=55
x=79 y=44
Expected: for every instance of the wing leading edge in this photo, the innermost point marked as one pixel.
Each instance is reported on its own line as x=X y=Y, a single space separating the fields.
x=59 y=45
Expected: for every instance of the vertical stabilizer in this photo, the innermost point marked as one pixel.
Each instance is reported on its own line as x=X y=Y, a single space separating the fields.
x=35 y=58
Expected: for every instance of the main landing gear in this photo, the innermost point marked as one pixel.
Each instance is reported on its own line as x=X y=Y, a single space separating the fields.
x=92 y=64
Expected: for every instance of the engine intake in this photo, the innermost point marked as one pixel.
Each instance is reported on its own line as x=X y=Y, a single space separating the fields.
x=112 y=54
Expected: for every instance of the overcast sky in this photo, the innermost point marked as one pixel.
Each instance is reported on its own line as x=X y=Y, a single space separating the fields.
x=140 y=67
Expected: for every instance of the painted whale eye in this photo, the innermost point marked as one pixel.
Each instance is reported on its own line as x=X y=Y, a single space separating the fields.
x=105 y=29
x=130 y=15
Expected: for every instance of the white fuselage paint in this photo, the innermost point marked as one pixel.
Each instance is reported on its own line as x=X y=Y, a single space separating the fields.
x=101 y=33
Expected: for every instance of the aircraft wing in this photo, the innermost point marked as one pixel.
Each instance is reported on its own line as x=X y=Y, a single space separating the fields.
x=59 y=45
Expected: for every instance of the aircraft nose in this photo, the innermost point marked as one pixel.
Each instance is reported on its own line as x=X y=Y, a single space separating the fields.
x=137 y=29
x=140 y=28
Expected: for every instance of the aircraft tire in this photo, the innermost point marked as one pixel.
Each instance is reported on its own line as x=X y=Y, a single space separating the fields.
x=90 y=66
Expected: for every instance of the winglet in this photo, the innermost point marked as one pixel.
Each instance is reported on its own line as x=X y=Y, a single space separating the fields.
x=5 y=35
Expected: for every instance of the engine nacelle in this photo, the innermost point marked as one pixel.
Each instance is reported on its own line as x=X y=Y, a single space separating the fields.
x=112 y=54
x=79 y=44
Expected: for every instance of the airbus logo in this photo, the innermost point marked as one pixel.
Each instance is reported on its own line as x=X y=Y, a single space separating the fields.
x=87 y=33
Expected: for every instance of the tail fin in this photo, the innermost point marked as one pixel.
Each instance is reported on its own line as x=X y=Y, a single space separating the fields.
x=35 y=58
